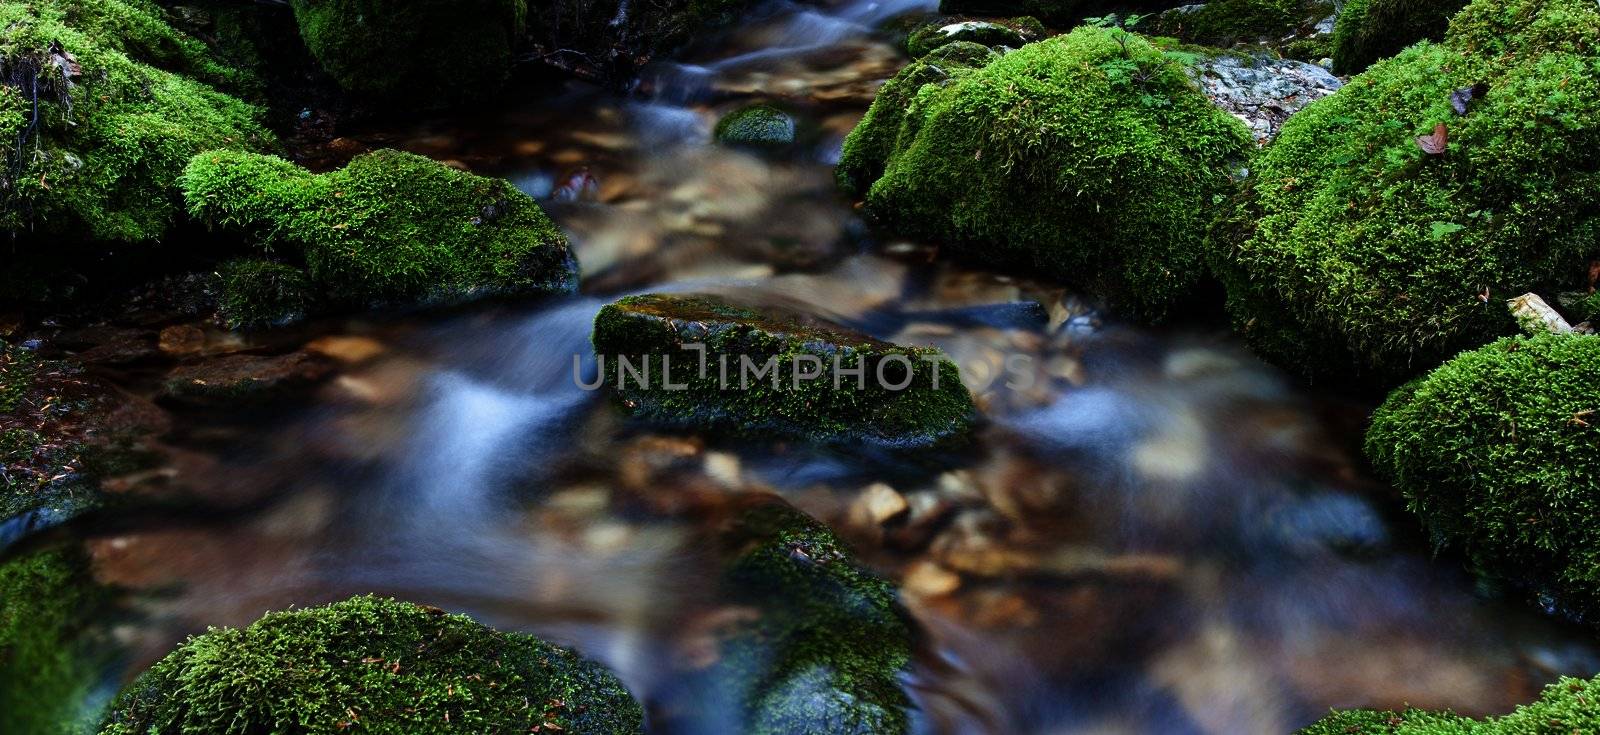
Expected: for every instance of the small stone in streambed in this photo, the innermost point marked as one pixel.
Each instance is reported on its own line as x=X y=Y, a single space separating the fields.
x=244 y=380
x=994 y=34
x=701 y=362
x=757 y=126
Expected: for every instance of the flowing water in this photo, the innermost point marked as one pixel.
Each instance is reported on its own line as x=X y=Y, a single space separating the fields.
x=1156 y=533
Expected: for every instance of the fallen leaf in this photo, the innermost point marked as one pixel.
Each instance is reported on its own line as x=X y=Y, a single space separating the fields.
x=1435 y=144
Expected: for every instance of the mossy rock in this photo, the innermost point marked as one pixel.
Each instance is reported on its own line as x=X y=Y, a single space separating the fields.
x=1568 y=706
x=918 y=401
x=420 y=54
x=1224 y=23
x=612 y=39
x=377 y=665
x=124 y=101
x=261 y=293
x=52 y=658
x=1090 y=157
x=872 y=143
x=389 y=228
x=756 y=126
x=1355 y=254
x=1059 y=13
x=1013 y=33
x=825 y=654
x=1498 y=451
x=1369 y=30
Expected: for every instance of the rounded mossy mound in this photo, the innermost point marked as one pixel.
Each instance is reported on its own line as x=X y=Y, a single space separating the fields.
x=1353 y=247
x=1090 y=157
x=826 y=651
x=389 y=228
x=375 y=665
x=419 y=54
x=1566 y=707
x=101 y=106
x=1498 y=451
x=1369 y=30
x=756 y=126
x=1013 y=33
x=711 y=365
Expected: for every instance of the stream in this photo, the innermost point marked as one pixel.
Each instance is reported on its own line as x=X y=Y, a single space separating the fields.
x=1156 y=533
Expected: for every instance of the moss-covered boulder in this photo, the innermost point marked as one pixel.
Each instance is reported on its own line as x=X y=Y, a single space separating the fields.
x=1011 y=33
x=1090 y=157
x=102 y=104
x=1498 y=451
x=414 y=53
x=827 y=650
x=52 y=658
x=1060 y=13
x=1354 y=247
x=377 y=665
x=389 y=228
x=872 y=143
x=772 y=373
x=1224 y=23
x=1568 y=706
x=1368 y=30
x=258 y=293
x=756 y=126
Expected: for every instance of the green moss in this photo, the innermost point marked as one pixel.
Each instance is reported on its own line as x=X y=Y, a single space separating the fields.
x=50 y=659
x=826 y=653
x=261 y=293
x=121 y=110
x=1498 y=451
x=390 y=227
x=1312 y=50
x=1356 y=249
x=421 y=54
x=933 y=408
x=17 y=370
x=1089 y=157
x=871 y=144
x=375 y=665
x=993 y=33
x=758 y=126
x=1368 y=30
x=1566 y=707
x=1226 y=22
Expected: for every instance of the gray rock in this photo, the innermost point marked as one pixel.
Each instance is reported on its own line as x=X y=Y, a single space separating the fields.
x=1263 y=91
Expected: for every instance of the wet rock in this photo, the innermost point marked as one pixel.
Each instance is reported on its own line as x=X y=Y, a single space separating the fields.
x=756 y=126
x=245 y=380
x=877 y=505
x=703 y=362
x=1263 y=91
x=1002 y=34
x=348 y=349
x=1328 y=521
x=825 y=653
x=927 y=579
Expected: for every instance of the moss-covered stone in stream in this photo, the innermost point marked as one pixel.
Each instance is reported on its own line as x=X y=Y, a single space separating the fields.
x=1090 y=157
x=1566 y=707
x=1498 y=451
x=610 y=40
x=376 y=665
x=1059 y=13
x=1224 y=23
x=420 y=54
x=883 y=405
x=1356 y=249
x=1368 y=30
x=123 y=102
x=261 y=293
x=871 y=144
x=389 y=228
x=825 y=654
x=756 y=126
x=51 y=661
x=1011 y=33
